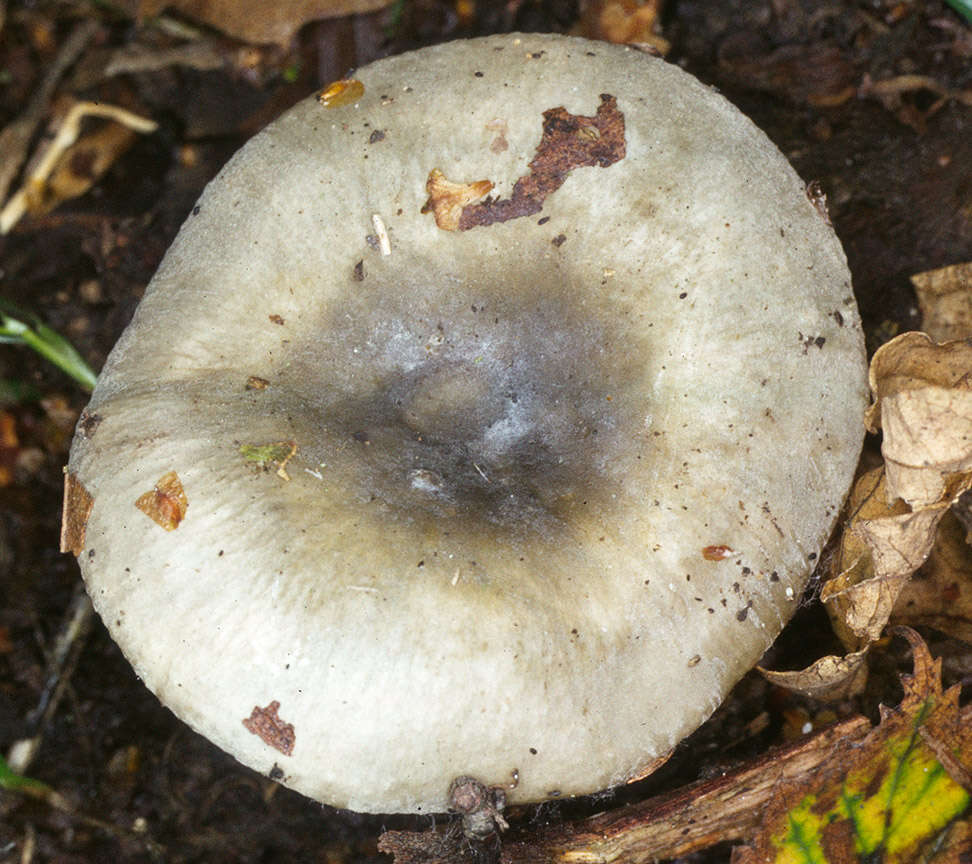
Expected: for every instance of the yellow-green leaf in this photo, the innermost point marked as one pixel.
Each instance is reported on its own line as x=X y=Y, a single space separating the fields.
x=278 y=453
x=887 y=799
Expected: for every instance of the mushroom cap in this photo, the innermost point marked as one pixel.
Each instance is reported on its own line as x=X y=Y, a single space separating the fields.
x=519 y=500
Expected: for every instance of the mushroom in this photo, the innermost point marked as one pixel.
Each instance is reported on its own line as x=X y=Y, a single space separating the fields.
x=484 y=420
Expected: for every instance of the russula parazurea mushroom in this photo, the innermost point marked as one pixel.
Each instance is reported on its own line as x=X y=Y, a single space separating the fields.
x=485 y=418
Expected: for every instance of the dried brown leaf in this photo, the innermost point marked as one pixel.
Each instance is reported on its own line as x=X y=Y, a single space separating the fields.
x=923 y=394
x=166 y=503
x=257 y=20
x=830 y=679
x=273 y=730
x=447 y=199
x=74 y=518
x=346 y=91
x=626 y=22
x=567 y=141
x=880 y=549
x=86 y=162
x=945 y=298
x=939 y=595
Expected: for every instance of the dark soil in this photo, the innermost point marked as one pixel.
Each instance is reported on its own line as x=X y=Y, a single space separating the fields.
x=898 y=176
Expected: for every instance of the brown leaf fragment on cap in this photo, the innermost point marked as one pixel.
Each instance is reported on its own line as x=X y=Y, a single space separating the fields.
x=568 y=141
x=166 y=504
x=74 y=518
x=716 y=553
x=447 y=199
x=267 y=725
x=347 y=91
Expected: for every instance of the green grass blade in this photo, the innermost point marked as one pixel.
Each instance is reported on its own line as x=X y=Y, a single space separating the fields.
x=50 y=344
x=17 y=783
x=963 y=7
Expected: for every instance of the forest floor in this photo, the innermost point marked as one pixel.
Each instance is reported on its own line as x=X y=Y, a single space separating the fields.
x=894 y=160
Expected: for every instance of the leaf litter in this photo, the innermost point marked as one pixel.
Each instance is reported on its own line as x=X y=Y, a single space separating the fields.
x=923 y=406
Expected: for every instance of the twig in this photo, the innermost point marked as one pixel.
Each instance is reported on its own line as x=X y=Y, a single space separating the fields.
x=52 y=798
x=135 y=58
x=61 y=663
x=62 y=658
x=67 y=134
x=727 y=808
x=15 y=138
x=29 y=844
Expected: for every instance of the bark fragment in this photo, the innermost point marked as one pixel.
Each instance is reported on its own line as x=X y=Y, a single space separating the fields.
x=568 y=141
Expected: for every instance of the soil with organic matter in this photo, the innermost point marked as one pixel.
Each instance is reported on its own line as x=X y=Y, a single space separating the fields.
x=872 y=99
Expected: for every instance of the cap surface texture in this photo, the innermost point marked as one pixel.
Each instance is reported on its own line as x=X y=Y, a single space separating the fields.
x=378 y=503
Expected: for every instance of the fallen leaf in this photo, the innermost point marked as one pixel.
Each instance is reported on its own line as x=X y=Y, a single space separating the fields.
x=818 y=72
x=879 y=550
x=625 y=22
x=447 y=199
x=945 y=298
x=166 y=503
x=9 y=447
x=923 y=403
x=939 y=594
x=896 y=796
x=830 y=679
x=257 y=20
x=267 y=725
x=923 y=394
x=567 y=141
x=347 y=91
x=84 y=163
x=74 y=517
